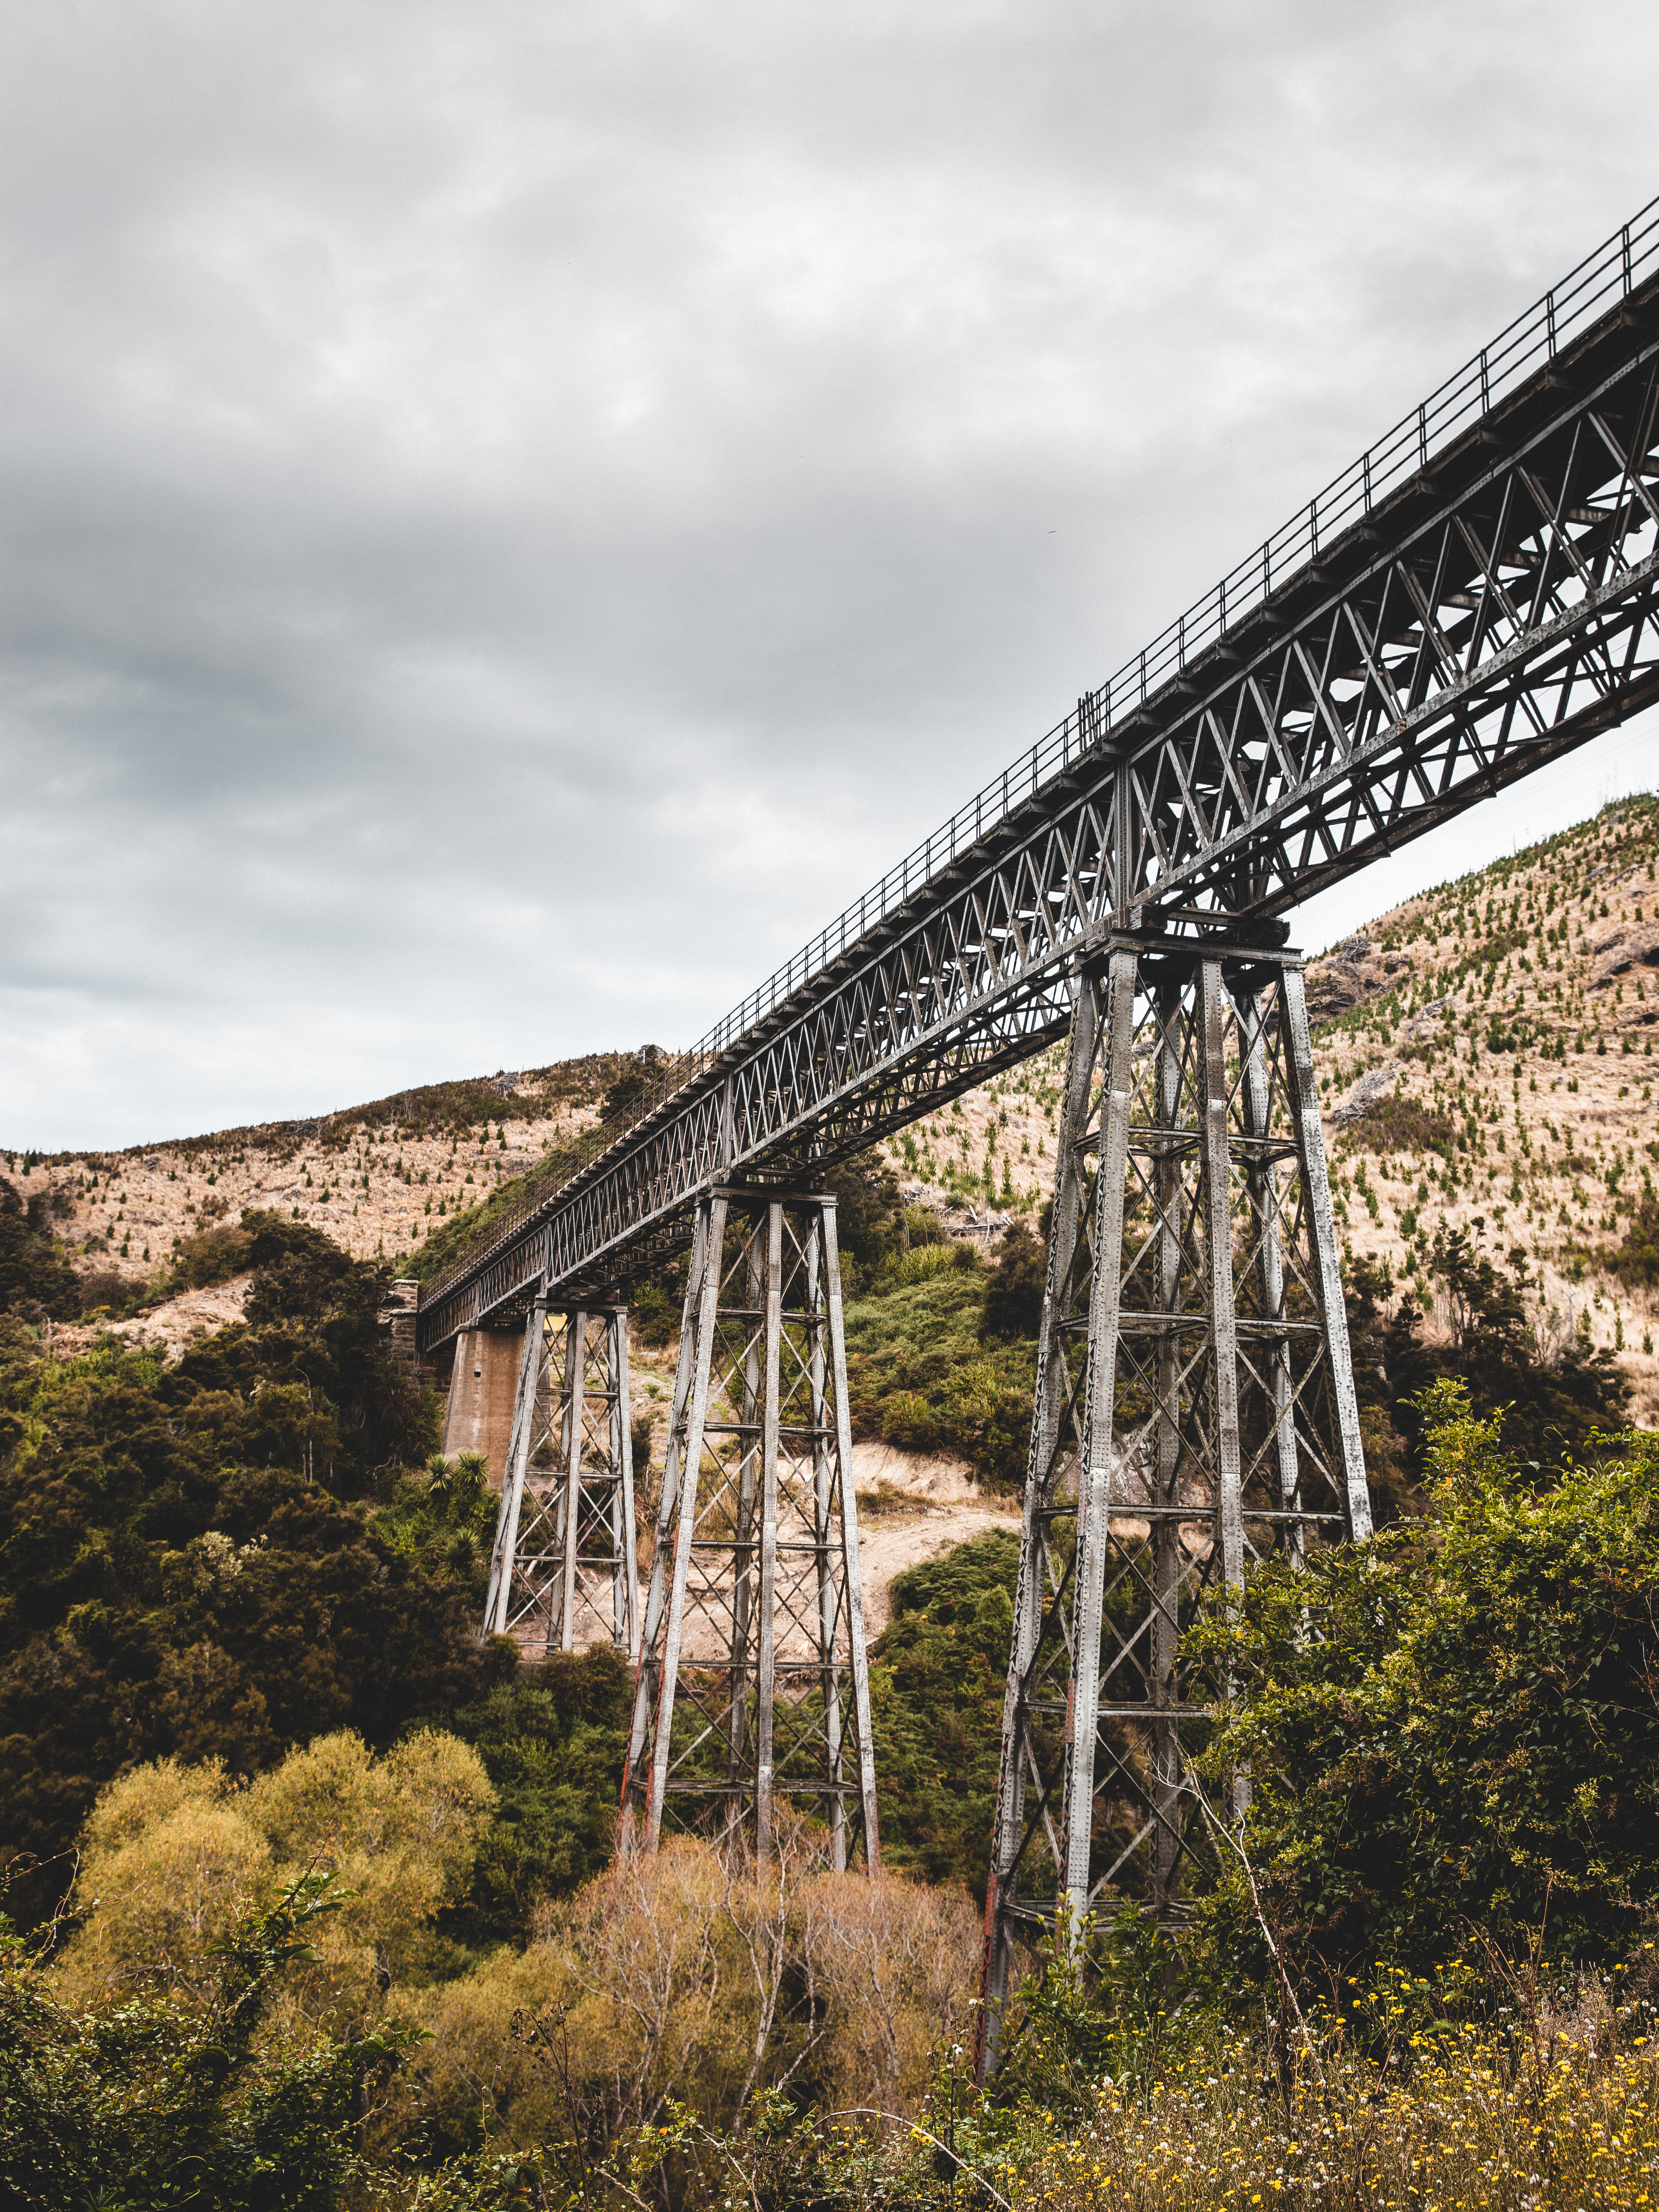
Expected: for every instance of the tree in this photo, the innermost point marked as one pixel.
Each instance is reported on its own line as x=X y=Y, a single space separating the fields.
x=937 y=1674
x=172 y=1854
x=1014 y=1289
x=190 y=2105
x=1454 y=1726
x=36 y=1281
x=190 y=1557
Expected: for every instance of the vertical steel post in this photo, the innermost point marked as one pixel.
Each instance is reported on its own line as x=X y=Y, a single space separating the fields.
x=766 y=1669
x=1050 y=1402
x=851 y=1579
x=518 y=1451
x=1083 y=1707
x=575 y=1406
x=697 y=1413
x=1165 y=1638
x=1327 y=1271
x=625 y=1598
x=1262 y=1176
x=1218 y=1252
x=816 y=1323
x=648 y=1681
x=749 y=1455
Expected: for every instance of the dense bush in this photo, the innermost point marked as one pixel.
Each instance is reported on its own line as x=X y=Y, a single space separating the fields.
x=1014 y=1292
x=1635 y=1260
x=1551 y=1405
x=687 y=1983
x=36 y=1281
x=937 y=1673
x=922 y=1376
x=189 y=1559
x=191 y=2102
x=552 y=1740
x=1454 y=1726
x=173 y=1855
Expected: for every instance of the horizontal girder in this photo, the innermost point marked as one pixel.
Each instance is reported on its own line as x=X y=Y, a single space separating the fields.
x=1494 y=610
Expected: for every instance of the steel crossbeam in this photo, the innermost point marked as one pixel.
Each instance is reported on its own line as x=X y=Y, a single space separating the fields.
x=1494 y=609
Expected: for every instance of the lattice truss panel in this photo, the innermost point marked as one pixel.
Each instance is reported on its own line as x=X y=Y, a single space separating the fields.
x=752 y=1685
x=1194 y=1413
x=563 y=1573
x=1493 y=611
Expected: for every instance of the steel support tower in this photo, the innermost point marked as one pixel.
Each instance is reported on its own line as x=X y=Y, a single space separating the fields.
x=753 y=1688
x=1194 y=1410
x=563 y=1573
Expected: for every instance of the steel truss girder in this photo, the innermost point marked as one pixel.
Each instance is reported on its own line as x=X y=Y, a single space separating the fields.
x=1496 y=611
x=753 y=1684
x=1194 y=1410
x=562 y=1571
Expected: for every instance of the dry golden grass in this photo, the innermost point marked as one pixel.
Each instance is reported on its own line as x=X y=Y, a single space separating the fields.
x=1467 y=2122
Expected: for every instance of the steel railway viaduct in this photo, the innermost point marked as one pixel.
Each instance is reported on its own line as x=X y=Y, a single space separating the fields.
x=1472 y=599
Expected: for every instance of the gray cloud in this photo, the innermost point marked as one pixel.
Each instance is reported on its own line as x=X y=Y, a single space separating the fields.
x=513 y=515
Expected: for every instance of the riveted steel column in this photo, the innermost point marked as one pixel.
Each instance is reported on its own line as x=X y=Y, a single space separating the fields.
x=857 y=1663
x=575 y=1406
x=1094 y=1475
x=816 y=1322
x=749 y=1457
x=766 y=1671
x=518 y=1453
x=1266 y=1190
x=1166 y=1640
x=697 y=1413
x=625 y=1584
x=1042 y=1468
x=1328 y=1273
x=647 y=1681
x=1218 y=1256
x=665 y=1624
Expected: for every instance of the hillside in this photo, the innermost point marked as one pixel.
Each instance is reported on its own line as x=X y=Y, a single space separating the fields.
x=1484 y=1056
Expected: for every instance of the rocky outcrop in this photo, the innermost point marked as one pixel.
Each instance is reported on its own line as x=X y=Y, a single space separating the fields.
x=1353 y=972
x=1365 y=1094
x=1635 y=945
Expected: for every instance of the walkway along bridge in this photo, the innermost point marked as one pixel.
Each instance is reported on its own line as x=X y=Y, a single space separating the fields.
x=1473 y=598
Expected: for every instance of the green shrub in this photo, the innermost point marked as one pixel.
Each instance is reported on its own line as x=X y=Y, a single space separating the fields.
x=188 y=2103
x=910 y=1422
x=190 y=1562
x=1456 y=1724
x=923 y=1261
x=552 y=1740
x=917 y=1347
x=939 y=1671
x=36 y=1281
x=1013 y=1297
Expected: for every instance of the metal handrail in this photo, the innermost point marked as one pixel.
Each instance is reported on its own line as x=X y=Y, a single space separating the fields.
x=1538 y=334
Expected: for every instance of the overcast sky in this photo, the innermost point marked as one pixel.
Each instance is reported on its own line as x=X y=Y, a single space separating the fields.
x=512 y=515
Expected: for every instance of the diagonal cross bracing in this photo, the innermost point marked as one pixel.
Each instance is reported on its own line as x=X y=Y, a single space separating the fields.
x=1414 y=643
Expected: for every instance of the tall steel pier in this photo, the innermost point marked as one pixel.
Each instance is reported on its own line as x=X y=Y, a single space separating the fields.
x=1472 y=599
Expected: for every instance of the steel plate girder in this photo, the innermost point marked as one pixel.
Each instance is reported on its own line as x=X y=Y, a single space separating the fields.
x=1498 y=609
